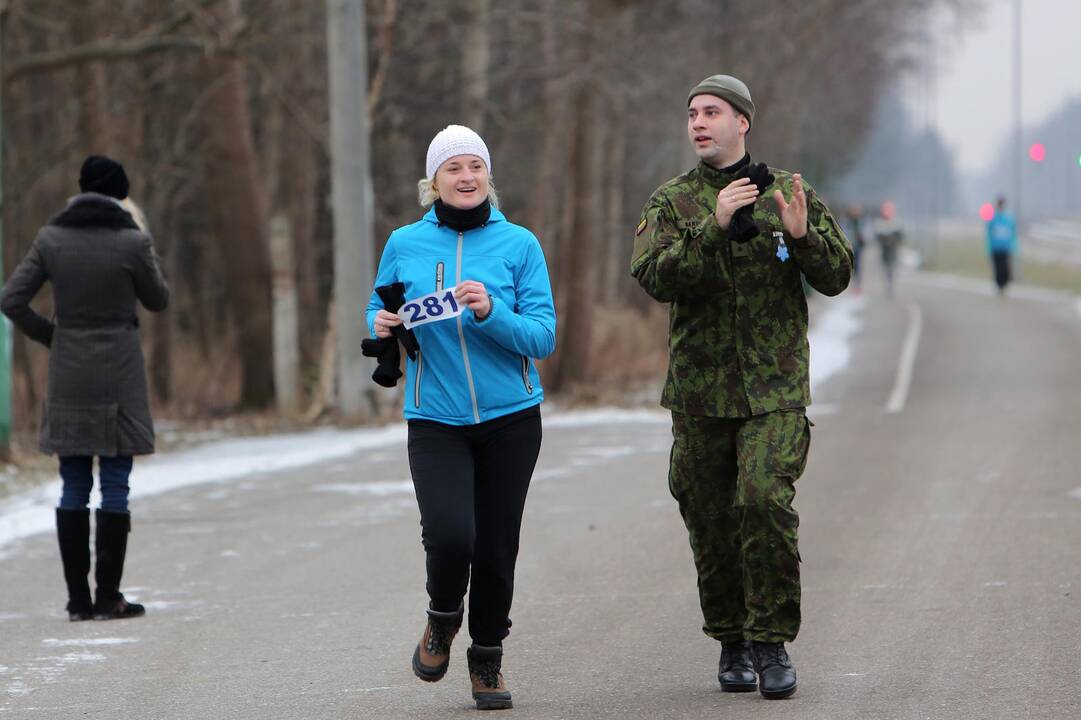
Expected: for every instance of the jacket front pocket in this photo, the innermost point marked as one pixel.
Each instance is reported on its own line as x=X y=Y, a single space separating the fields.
x=525 y=375
x=416 y=382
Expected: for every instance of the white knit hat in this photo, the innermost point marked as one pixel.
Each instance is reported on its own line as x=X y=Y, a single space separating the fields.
x=455 y=140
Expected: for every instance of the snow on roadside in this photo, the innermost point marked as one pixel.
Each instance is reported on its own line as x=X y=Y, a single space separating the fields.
x=31 y=512
x=217 y=461
x=830 y=336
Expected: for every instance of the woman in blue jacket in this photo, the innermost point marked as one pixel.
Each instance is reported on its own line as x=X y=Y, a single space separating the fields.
x=484 y=311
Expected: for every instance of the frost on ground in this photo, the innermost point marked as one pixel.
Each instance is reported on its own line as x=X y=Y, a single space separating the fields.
x=836 y=321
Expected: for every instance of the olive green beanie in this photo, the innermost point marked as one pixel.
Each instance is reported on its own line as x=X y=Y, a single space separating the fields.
x=727 y=88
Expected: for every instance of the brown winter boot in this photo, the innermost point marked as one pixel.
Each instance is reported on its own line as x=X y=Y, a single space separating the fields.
x=432 y=654
x=489 y=688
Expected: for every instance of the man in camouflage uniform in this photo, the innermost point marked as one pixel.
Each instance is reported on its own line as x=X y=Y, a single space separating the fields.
x=738 y=383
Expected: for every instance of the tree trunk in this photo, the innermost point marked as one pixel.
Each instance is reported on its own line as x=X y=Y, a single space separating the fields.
x=303 y=188
x=286 y=345
x=303 y=182
x=475 y=54
x=161 y=357
x=579 y=248
x=543 y=212
x=616 y=235
x=90 y=86
x=350 y=160
x=161 y=338
x=238 y=219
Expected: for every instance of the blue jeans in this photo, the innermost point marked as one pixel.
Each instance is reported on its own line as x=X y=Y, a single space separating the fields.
x=77 y=472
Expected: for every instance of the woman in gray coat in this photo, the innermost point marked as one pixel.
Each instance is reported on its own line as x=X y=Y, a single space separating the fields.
x=99 y=263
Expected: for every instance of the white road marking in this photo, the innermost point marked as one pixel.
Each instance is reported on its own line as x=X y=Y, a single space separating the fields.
x=896 y=402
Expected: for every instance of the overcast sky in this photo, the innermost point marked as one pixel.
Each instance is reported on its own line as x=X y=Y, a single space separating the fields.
x=974 y=88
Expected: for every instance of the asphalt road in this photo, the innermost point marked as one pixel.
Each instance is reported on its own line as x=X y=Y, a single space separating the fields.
x=941 y=530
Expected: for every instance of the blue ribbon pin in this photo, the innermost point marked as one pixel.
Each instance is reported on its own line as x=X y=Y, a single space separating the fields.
x=782 y=249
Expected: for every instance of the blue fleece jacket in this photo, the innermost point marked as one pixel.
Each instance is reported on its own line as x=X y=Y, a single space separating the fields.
x=1002 y=233
x=471 y=371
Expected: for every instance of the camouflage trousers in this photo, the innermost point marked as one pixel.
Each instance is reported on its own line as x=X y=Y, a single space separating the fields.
x=734 y=480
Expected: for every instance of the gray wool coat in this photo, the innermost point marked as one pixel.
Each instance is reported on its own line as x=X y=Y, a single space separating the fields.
x=99 y=264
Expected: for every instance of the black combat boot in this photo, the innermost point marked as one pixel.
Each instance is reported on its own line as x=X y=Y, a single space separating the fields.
x=431 y=658
x=111 y=544
x=776 y=676
x=73 y=532
x=489 y=689
x=736 y=671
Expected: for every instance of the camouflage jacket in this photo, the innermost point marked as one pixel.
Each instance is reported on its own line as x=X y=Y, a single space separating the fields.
x=738 y=320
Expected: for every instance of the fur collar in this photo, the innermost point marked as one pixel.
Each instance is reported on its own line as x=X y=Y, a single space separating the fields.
x=93 y=210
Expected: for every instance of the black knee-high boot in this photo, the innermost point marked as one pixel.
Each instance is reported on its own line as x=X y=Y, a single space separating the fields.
x=111 y=543
x=73 y=532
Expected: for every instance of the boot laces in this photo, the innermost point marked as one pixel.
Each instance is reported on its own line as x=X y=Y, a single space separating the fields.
x=772 y=654
x=439 y=638
x=487 y=671
x=735 y=654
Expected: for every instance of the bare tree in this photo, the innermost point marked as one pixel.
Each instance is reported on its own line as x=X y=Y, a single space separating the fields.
x=475 y=73
x=237 y=210
x=222 y=116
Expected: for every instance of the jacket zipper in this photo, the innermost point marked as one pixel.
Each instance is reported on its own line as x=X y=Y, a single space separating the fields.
x=525 y=375
x=420 y=355
x=461 y=334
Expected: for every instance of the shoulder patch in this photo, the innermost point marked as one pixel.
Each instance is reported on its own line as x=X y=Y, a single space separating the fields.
x=641 y=227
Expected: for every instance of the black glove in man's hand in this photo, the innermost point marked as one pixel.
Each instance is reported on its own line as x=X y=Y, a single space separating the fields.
x=743 y=226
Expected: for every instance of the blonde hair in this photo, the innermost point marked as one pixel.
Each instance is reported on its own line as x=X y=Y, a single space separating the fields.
x=427 y=194
x=136 y=213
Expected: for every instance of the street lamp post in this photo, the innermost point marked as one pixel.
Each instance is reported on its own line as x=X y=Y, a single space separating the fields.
x=1018 y=156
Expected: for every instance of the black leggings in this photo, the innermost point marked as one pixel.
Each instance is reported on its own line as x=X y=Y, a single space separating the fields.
x=471 y=483
x=1001 y=262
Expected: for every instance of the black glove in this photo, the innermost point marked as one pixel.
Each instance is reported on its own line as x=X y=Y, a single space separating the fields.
x=393 y=297
x=743 y=226
x=389 y=357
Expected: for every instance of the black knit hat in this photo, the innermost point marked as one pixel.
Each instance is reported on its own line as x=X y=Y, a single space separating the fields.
x=103 y=175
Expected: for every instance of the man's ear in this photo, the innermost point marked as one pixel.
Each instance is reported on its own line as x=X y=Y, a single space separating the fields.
x=744 y=124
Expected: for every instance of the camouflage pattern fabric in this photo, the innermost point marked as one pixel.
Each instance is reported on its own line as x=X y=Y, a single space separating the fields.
x=734 y=482
x=738 y=384
x=738 y=323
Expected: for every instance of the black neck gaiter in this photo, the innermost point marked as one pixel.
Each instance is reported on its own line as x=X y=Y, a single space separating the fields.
x=719 y=177
x=743 y=226
x=462 y=220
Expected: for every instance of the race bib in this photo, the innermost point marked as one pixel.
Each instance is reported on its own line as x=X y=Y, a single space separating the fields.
x=437 y=306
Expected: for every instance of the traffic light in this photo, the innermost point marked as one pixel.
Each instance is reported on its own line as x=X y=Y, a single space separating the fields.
x=1037 y=152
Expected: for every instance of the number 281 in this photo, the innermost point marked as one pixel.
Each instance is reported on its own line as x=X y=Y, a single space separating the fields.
x=432 y=307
